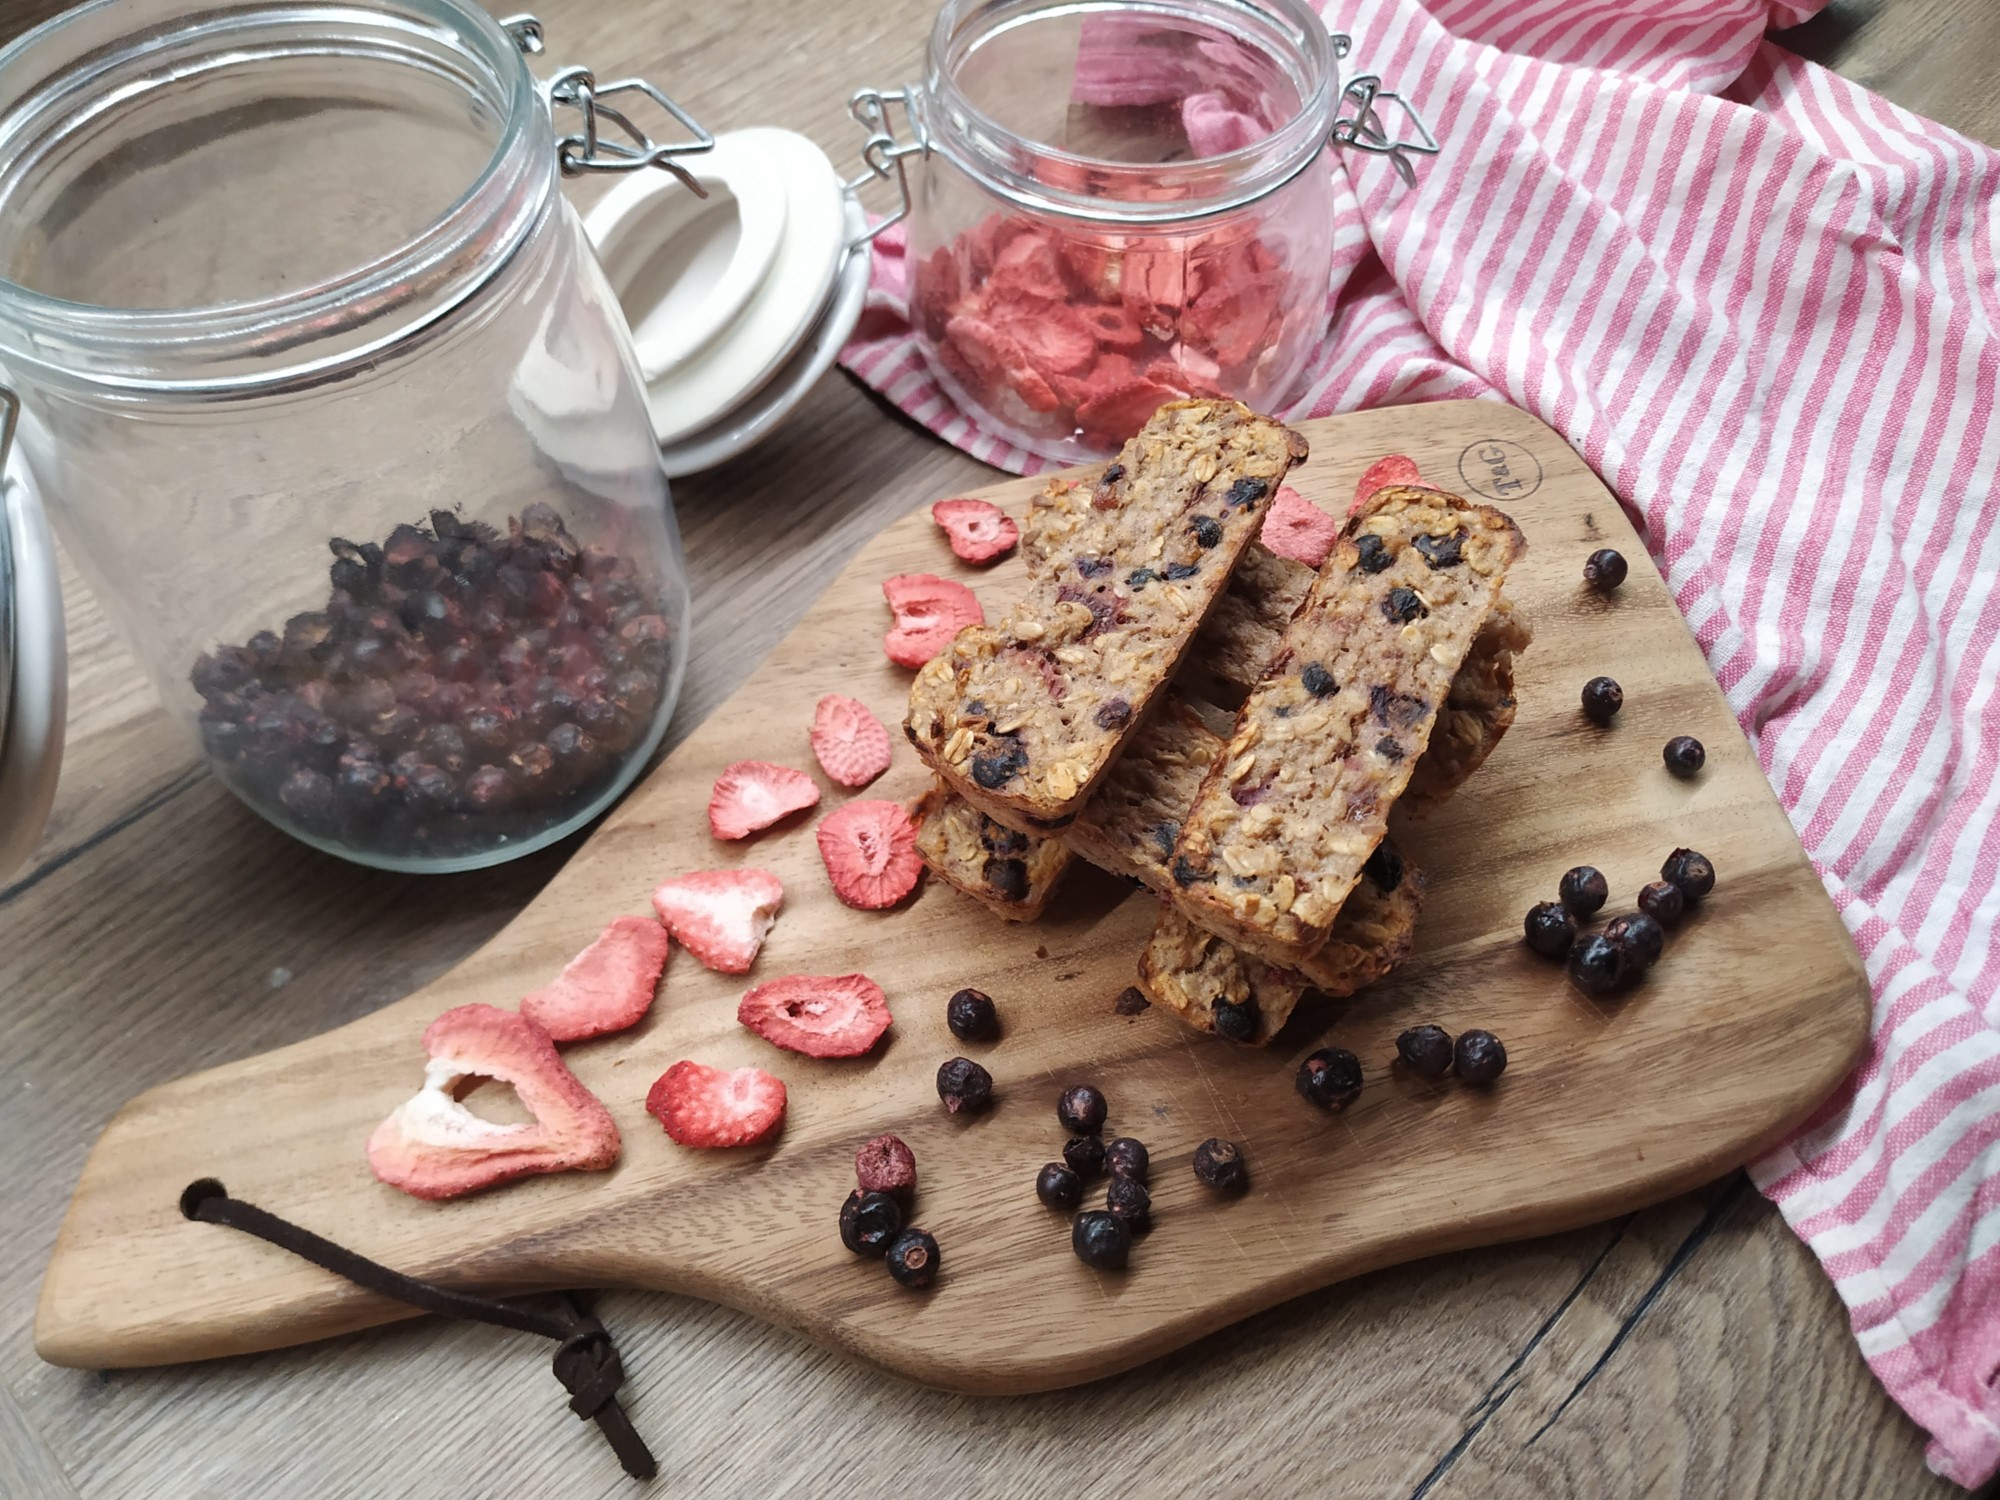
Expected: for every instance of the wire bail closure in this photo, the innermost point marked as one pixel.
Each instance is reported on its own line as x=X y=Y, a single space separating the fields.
x=10 y=414
x=591 y=149
x=1364 y=130
x=883 y=153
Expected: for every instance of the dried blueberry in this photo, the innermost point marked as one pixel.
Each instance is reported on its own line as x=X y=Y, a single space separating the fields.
x=1479 y=1057
x=1689 y=873
x=1059 y=1186
x=1371 y=554
x=1138 y=578
x=994 y=770
x=1101 y=1240
x=1442 y=551
x=1403 y=606
x=1662 y=901
x=1085 y=1155
x=1388 y=749
x=1683 y=755
x=1093 y=567
x=1641 y=937
x=964 y=1086
x=1318 y=681
x=1330 y=1078
x=972 y=1017
x=1007 y=879
x=1219 y=1164
x=1237 y=1022
x=1549 y=928
x=1384 y=868
x=1584 y=889
x=1081 y=1110
x=1602 y=698
x=1165 y=834
x=1247 y=491
x=1206 y=532
x=1185 y=874
x=913 y=1258
x=1596 y=965
x=1425 y=1051
x=869 y=1221
x=1128 y=1199
x=1175 y=572
x=1604 y=570
x=1113 y=713
x=1127 y=1158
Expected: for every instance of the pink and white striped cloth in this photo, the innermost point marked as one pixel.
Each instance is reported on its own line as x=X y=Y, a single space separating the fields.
x=1762 y=302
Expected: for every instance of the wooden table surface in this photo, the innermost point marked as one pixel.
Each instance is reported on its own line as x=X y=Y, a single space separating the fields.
x=1694 y=1349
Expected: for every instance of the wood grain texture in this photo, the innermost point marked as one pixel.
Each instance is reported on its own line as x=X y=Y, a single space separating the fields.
x=1756 y=1014
x=1740 y=1362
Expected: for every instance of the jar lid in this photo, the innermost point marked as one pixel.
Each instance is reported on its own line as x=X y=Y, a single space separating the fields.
x=739 y=301
x=35 y=696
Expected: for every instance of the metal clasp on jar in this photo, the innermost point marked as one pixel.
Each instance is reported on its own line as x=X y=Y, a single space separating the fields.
x=1364 y=130
x=883 y=152
x=591 y=149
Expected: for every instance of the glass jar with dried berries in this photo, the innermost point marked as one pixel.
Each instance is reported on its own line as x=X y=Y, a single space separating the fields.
x=1114 y=205
x=322 y=386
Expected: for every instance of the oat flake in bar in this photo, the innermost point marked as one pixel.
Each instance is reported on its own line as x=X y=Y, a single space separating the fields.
x=1326 y=742
x=1025 y=716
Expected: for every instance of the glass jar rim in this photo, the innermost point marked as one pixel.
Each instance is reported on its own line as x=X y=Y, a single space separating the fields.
x=1005 y=161
x=317 y=332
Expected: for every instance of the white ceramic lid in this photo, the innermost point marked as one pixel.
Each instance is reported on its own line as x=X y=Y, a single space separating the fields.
x=31 y=743
x=723 y=294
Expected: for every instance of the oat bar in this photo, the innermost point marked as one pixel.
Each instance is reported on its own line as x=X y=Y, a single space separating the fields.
x=1012 y=874
x=1477 y=712
x=1191 y=971
x=1025 y=716
x=1326 y=741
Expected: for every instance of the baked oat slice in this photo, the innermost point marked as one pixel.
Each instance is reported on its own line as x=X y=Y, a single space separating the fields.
x=1010 y=873
x=1025 y=716
x=1325 y=743
x=1192 y=972
x=1477 y=712
x=1131 y=826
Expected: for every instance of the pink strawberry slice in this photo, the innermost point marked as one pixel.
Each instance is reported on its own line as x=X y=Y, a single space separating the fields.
x=1395 y=468
x=607 y=987
x=819 y=1015
x=870 y=851
x=1120 y=412
x=709 y=1107
x=721 y=916
x=979 y=530
x=1296 y=528
x=754 y=794
x=929 y=612
x=850 y=743
x=432 y=1146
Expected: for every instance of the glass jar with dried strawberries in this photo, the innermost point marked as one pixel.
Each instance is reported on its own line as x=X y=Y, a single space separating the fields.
x=1120 y=205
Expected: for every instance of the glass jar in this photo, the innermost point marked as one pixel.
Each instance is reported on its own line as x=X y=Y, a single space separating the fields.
x=1117 y=205
x=326 y=395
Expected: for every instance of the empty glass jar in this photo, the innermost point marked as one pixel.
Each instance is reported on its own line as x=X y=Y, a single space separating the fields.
x=325 y=393
x=1118 y=204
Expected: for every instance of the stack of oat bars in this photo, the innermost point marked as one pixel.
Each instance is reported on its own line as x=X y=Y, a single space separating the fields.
x=1174 y=703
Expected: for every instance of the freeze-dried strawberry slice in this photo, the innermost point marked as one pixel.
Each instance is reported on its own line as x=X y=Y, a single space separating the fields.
x=998 y=359
x=703 y=1106
x=754 y=794
x=820 y=1015
x=980 y=532
x=1235 y=322
x=720 y=916
x=929 y=612
x=1395 y=468
x=432 y=1146
x=851 y=744
x=870 y=849
x=1113 y=326
x=1177 y=376
x=1122 y=411
x=1296 y=528
x=607 y=987
x=1028 y=265
x=1053 y=337
x=937 y=288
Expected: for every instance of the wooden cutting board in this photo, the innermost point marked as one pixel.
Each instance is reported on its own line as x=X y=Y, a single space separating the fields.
x=1757 y=1011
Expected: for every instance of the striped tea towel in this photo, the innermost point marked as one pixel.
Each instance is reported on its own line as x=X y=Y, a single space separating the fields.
x=1762 y=303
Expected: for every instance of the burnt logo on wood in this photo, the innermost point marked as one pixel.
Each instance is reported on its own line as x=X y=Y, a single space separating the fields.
x=1499 y=469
